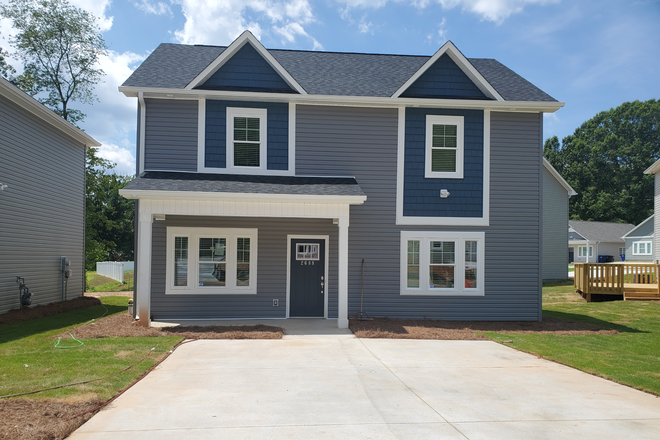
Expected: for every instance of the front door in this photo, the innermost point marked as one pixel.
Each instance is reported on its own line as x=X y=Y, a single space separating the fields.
x=307 y=278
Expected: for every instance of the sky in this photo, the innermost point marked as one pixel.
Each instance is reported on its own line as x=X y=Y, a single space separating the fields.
x=592 y=55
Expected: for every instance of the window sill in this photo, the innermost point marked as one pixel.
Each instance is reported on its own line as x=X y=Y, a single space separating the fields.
x=449 y=292
x=210 y=292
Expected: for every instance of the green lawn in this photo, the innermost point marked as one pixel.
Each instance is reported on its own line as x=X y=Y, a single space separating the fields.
x=631 y=357
x=99 y=283
x=30 y=361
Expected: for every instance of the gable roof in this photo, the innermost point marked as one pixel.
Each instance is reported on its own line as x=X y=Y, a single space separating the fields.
x=548 y=166
x=28 y=103
x=653 y=168
x=176 y=66
x=603 y=232
x=629 y=234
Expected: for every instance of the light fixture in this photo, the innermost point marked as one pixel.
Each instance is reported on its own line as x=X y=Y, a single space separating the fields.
x=444 y=193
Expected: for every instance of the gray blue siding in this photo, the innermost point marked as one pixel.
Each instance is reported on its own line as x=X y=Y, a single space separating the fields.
x=247 y=71
x=278 y=132
x=421 y=196
x=512 y=239
x=42 y=209
x=170 y=135
x=271 y=272
x=555 y=228
x=444 y=79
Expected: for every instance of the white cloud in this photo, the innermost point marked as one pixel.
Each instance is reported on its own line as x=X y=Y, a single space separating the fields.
x=219 y=22
x=121 y=156
x=365 y=26
x=442 y=33
x=98 y=9
x=156 y=8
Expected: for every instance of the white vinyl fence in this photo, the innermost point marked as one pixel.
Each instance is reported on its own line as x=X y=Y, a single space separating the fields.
x=114 y=269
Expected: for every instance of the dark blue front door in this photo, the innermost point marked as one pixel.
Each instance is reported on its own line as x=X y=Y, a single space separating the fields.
x=307 y=289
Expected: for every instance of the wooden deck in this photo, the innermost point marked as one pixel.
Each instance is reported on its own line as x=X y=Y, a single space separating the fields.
x=633 y=281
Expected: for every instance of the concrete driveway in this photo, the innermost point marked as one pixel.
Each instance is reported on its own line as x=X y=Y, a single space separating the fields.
x=340 y=387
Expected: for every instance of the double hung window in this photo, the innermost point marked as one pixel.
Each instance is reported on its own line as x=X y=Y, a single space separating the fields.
x=444 y=146
x=442 y=263
x=582 y=251
x=642 y=248
x=246 y=138
x=211 y=260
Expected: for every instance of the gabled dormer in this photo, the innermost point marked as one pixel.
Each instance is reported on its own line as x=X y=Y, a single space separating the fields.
x=448 y=75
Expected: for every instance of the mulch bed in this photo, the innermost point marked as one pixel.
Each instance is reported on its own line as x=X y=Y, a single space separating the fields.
x=123 y=325
x=43 y=311
x=467 y=330
x=27 y=419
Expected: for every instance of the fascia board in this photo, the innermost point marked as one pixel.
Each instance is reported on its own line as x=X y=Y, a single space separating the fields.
x=252 y=197
x=33 y=106
x=637 y=227
x=462 y=62
x=556 y=175
x=653 y=168
x=245 y=38
x=386 y=101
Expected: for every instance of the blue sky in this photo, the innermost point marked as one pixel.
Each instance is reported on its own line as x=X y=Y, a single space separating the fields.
x=592 y=55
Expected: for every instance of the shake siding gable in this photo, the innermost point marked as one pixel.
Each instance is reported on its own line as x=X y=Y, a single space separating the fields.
x=345 y=141
x=444 y=79
x=42 y=209
x=277 y=136
x=170 y=135
x=421 y=196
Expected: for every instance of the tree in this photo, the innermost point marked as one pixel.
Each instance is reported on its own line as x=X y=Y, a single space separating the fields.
x=604 y=161
x=6 y=70
x=109 y=217
x=60 y=46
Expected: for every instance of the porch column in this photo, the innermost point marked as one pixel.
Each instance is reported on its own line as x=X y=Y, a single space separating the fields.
x=342 y=302
x=143 y=282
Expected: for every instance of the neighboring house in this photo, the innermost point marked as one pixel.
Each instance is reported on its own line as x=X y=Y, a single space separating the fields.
x=639 y=241
x=556 y=192
x=653 y=169
x=588 y=240
x=42 y=200
x=284 y=183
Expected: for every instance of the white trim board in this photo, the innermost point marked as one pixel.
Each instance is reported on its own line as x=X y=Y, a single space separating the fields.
x=245 y=38
x=326 y=238
x=462 y=64
x=441 y=221
x=246 y=197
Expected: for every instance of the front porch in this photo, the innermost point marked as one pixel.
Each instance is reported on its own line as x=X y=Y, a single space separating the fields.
x=633 y=281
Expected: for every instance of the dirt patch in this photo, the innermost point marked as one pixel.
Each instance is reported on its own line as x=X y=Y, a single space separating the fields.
x=127 y=294
x=28 y=419
x=123 y=325
x=43 y=311
x=467 y=330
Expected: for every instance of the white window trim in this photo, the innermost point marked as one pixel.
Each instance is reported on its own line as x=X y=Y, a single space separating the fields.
x=582 y=252
x=241 y=112
x=648 y=247
x=425 y=238
x=459 y=122
x=193 y=234
x=441 y=221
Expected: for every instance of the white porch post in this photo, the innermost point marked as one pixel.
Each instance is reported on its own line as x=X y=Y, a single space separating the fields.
x=342 y=303
x=143 y=283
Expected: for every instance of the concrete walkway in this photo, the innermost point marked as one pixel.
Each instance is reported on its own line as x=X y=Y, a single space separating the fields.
x=331 y=387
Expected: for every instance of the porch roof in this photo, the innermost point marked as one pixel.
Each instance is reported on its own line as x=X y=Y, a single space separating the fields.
x=160 y=183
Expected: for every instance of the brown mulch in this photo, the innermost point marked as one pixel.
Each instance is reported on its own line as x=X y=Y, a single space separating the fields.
x=468 y=330
x=43 y=311
x=28 y=419
x=123 y=325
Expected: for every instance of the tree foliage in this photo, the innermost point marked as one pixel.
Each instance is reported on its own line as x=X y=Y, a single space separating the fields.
x=109 y=217
x=60 y=46
x=6 y=70
x=604 y=161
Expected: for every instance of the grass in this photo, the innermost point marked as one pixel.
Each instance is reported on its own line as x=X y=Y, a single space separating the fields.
x=631 y=358
x=30 y=361
x=99 y=283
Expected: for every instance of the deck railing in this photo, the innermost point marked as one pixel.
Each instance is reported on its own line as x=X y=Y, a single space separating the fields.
x=609 y=278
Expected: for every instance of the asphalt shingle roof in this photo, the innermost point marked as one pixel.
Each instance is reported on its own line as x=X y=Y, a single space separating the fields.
x=601 y=231
x=325 y=73
x=243 y=184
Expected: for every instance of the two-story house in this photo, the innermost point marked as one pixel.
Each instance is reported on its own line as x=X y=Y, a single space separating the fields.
x=286 y=183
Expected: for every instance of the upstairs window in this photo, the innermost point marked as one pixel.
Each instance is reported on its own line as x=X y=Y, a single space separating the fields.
x=246 y=138
x=444 y=146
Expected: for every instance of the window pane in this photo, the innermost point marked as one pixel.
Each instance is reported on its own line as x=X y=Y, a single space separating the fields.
x=243 y=262
x=413 y=264
x=441 y=277
x=246 y=129
x=470 y=264
x=444 y=136
x=212 y=261
x=246 y=155
x=443 y=160
x=441 y=270
x=442 y=252
x=180 y=261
